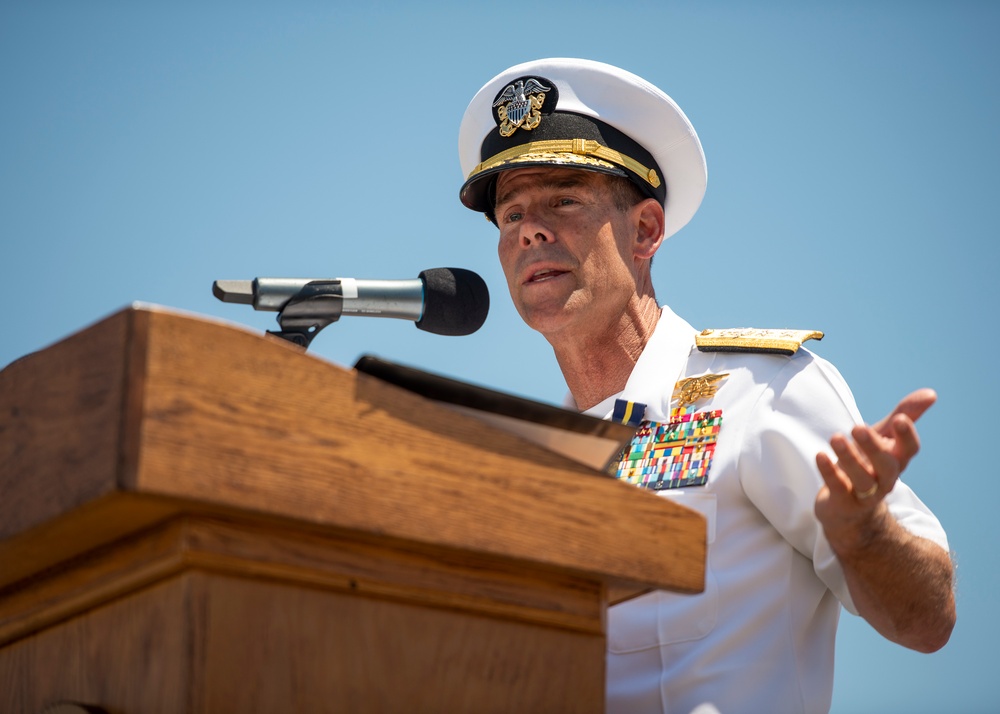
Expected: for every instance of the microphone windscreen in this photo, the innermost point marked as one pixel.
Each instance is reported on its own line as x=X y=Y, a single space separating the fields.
x=456 y=301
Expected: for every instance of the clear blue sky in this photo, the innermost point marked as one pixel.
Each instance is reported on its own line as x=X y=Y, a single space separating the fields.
x=147 y=150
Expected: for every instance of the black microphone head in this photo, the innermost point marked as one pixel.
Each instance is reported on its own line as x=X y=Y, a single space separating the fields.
x=456 y=301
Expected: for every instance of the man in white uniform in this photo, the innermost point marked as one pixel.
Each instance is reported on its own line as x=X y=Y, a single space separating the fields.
x=586 y=169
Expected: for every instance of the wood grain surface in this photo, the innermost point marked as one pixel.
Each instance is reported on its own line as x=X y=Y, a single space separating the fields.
x=160 y=404
x=196 y=518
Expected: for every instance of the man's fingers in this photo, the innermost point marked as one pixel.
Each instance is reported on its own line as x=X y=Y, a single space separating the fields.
x=881 y=453
x=870 y=461
x=851 y=458
x=865 y=462
x=907 y=440
x=913 y=405
x=828 y=470
x=839 y=486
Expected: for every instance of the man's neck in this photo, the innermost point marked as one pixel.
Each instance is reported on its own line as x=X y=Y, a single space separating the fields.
x=597 y=366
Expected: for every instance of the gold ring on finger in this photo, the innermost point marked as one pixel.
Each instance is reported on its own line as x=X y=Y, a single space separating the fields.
x=867 y=493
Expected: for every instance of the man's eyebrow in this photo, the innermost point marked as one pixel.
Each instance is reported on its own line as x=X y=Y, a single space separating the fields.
x=562 y=182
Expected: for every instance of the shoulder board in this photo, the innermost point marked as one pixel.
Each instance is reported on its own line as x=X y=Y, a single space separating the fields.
x=749 y=339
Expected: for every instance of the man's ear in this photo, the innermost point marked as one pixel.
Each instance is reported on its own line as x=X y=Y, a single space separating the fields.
x=648 y=219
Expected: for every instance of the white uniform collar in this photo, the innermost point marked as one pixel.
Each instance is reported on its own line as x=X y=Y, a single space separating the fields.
x=665 y=353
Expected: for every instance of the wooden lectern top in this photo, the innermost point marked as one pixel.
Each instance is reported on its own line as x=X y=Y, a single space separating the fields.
x=150 y=413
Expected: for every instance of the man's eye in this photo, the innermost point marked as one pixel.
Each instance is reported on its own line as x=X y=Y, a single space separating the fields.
x=513 y=216
x=566 y=201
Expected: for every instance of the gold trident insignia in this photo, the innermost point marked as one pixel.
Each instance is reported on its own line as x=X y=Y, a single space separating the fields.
x=693 y=389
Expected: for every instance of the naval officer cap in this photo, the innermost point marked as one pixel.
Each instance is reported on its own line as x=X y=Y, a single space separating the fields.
x=581 y=114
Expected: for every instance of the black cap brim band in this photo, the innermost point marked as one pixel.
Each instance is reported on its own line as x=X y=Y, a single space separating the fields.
x=568 y=140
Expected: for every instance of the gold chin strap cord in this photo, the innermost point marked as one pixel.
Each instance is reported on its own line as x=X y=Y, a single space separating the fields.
x=568 y=148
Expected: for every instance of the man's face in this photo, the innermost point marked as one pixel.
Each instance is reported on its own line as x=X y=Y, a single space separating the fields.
x=566 y=249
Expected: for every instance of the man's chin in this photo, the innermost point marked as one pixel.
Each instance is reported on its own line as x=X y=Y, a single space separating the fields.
x=547 y=320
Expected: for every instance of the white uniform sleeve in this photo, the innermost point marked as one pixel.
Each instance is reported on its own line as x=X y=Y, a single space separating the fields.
x=803 y=406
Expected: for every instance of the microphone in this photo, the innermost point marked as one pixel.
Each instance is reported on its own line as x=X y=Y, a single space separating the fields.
x=444 y=301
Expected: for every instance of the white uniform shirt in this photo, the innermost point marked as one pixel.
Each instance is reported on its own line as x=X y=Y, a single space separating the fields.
x=760 y=638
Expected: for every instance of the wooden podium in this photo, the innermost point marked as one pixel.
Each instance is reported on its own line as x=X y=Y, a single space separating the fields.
x=196 y=518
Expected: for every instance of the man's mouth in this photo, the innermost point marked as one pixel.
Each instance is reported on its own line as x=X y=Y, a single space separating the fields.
x=546 y=274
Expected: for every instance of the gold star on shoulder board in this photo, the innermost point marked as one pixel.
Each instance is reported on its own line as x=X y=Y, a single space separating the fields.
x=694 y=389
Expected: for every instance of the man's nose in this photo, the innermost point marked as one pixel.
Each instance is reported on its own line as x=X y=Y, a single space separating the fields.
x=534 y=231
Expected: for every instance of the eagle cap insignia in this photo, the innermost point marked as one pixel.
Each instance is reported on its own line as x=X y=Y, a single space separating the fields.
x=694 y=389
x=519 y=104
